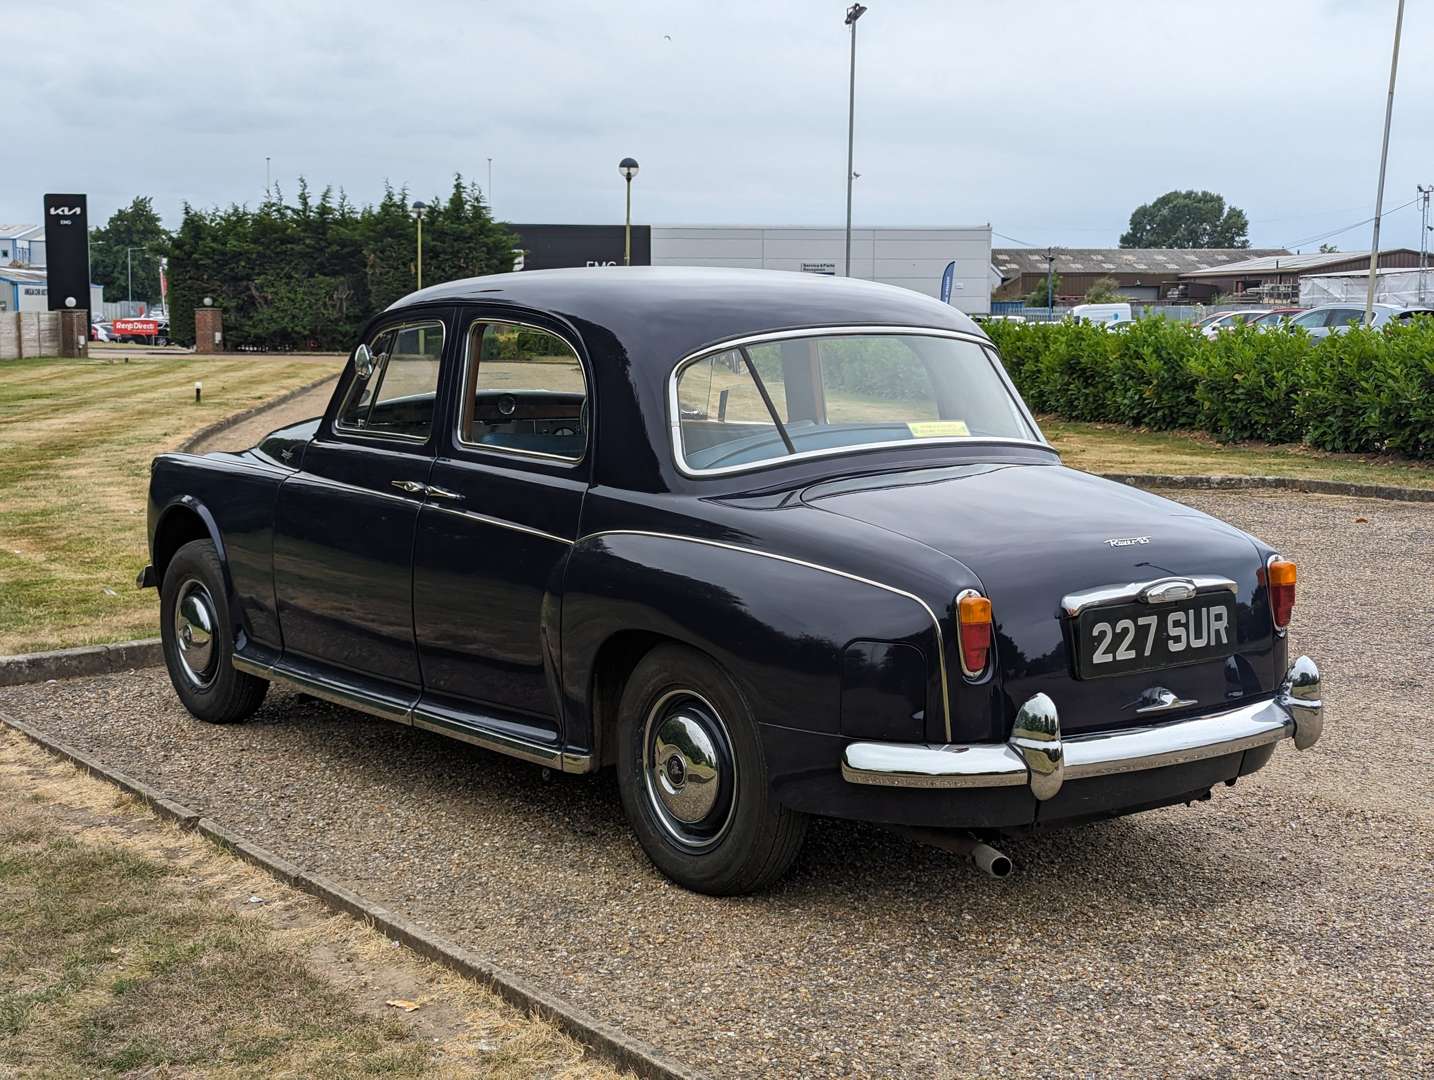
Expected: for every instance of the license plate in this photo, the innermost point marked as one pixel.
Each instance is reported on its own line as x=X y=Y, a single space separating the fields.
x=1142 y=637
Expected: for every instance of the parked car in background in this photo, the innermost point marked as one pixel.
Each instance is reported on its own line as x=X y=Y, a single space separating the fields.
x=1212 y=325
x=1409 y=314
x=769 y=544
x=1101 y=313
x=1337 y=318
x=101 y=331
x=1276 y=318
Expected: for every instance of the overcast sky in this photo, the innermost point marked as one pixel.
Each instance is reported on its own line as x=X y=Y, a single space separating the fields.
x=1050 y=119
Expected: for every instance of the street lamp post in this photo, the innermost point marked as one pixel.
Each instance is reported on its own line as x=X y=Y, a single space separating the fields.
x=853 y=13
x=1383 y=160
x=628 y=168
x=419 y=209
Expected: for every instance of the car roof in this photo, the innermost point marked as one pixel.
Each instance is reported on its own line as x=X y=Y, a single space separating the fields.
x=671 y=311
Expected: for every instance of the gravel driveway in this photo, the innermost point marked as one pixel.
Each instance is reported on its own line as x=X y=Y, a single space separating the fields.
x=1282 y=928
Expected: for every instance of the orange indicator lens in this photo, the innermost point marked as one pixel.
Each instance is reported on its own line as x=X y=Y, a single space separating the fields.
x=973 y=614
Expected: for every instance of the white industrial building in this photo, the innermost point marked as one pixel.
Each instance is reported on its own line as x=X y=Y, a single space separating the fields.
x=27 y=289
x=911 y=258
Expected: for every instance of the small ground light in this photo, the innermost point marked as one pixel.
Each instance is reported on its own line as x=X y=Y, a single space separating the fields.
x=198 y=391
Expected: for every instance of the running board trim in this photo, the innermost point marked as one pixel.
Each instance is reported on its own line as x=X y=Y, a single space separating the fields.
x=415 y=715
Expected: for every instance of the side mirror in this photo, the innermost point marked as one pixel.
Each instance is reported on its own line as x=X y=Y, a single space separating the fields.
x=363 y=362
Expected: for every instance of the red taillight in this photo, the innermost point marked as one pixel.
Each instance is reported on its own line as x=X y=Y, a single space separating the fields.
x=1280 y=575
x=973 y=620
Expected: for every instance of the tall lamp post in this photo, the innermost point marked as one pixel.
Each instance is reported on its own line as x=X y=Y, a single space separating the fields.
x=628 y=168
x=419 y=209
x=853 y=13
x=1383 y=160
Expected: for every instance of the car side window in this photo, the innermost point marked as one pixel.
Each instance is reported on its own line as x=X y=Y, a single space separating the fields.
x=524 y=391
x=396 y=400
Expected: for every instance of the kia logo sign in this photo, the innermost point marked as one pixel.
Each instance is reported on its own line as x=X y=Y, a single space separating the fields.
x=65 y=211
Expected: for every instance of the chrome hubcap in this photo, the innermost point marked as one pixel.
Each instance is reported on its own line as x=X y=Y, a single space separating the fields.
x=194 y=623
x=688 y=769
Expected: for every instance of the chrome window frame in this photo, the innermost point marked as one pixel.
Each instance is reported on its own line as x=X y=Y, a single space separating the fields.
x=987 y=348
x=340 y=428
x=510 y=451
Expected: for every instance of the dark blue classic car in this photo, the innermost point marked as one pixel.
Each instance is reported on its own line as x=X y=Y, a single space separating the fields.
x=771 y=544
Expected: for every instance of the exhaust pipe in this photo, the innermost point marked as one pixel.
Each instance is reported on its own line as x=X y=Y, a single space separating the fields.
x=987 y=859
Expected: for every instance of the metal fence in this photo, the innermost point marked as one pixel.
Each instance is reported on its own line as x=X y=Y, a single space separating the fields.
x=125 y=309
x=1138 y=310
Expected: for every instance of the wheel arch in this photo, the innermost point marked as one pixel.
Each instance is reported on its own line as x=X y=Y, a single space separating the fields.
x=182 y=521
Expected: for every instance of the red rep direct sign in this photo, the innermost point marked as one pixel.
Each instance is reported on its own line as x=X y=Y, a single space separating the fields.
x=141 y=327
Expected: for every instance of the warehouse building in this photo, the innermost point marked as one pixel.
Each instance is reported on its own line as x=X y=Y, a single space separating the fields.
x=1148 y=274
x=25 y=289
x=914 y=259
x=1277 y=276
x=23 y=244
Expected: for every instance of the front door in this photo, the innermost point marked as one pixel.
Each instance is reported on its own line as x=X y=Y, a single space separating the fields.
x=501 y=515
x=344 y=524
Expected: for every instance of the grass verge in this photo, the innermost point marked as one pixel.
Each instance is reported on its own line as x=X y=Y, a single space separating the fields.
x=128 y=947
x=76 y=437
x=1114 y=448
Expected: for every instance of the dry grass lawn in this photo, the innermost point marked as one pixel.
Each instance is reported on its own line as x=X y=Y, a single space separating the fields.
x=1112 y=448
x=76 y=438
x=130 y=948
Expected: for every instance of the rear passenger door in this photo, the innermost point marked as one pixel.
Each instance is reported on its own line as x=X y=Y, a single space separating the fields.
x=500 y=516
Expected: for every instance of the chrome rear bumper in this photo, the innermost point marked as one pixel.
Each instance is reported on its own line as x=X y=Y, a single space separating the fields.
x=1039 y=757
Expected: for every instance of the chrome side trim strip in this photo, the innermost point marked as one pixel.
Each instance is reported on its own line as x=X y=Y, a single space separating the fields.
x=501 y=523
x=1038 y=756
x=1076 y=602
x=935 y=623
x=552 y=757
x=326 y=691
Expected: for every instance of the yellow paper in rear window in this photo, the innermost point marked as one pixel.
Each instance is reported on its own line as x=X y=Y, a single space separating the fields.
x=938 y=429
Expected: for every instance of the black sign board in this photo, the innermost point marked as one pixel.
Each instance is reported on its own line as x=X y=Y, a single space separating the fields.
x=546 y=247
x=67 y=251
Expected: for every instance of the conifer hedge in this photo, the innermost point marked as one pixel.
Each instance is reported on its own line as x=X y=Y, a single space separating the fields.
x=1364 y=390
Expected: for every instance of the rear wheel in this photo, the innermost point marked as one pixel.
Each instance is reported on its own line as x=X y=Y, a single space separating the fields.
x=694 y=779
x=197 y=634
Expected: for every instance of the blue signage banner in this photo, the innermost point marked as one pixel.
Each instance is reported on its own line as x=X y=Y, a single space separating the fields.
x=947 y=277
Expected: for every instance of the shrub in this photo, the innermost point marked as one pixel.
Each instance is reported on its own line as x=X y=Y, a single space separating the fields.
x=1247 y=384
x=1370 y=390
x=1365 y=390
x=1153 y=384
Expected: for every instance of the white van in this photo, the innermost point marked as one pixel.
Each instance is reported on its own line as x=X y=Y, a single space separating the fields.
x=1101 y=313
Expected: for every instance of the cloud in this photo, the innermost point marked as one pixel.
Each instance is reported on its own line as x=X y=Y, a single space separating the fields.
x=1051 y=120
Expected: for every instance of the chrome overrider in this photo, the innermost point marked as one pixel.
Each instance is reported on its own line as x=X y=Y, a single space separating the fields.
x=1039 y=757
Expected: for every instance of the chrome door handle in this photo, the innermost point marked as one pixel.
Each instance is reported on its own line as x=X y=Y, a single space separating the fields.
x=443 y=493
x=413 y=487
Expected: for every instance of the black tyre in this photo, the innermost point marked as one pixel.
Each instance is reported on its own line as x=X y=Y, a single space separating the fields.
x=694 y=779
x=198 y=637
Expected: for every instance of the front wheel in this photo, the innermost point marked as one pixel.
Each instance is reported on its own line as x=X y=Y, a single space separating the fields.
x=197 y=635
x=694 y=780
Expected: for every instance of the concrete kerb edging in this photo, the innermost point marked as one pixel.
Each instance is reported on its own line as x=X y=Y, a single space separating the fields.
x=227 y=422
x=606 y=1040
x=85 y=660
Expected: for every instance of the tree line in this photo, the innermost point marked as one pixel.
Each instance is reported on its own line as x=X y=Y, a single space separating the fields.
x=302 y=274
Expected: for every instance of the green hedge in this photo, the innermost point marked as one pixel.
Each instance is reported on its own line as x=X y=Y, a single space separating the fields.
x=1365 y=390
